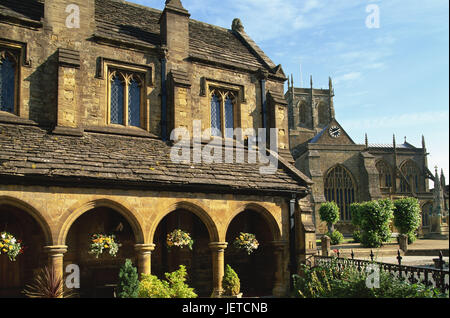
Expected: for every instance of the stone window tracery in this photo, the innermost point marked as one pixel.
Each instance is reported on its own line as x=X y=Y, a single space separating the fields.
x=223 y=112
x=385 y=174
x=126 y=98
x=411 y=173
x=340 y=188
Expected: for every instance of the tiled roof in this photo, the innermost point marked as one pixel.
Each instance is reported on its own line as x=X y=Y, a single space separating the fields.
x=127 y=22
x=29 y=151
x=391 y=146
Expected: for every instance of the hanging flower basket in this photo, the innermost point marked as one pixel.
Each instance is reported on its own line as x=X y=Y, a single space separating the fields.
x=10 y=246
x=179 y=238
x=247 y=242
x=101 y=242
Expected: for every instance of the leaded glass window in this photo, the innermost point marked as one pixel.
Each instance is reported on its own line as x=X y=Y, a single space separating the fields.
x=223 y=112
x=8 y=75
x=340 y=188
x=125 y=98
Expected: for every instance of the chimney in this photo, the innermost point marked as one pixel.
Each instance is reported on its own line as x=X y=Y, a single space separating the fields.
x=174 y=24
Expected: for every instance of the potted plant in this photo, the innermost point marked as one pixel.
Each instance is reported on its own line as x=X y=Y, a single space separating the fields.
x=231 y=284
x=10 y=246
x=247 y=242
x=101 y=242
x=179 y=238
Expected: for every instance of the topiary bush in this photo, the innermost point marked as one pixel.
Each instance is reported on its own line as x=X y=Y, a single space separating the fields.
x=407 y=217
x=231 y=284
x=128 y=286
x=329 y=213
x=375 y=217
x=357 y=236
x=336 y=237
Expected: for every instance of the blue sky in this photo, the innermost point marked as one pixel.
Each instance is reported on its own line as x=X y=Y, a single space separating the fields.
x=388 y=80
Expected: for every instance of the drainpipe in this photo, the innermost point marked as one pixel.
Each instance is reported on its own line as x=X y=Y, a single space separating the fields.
x=292 y=238
x=163 y=99
x=264 y=103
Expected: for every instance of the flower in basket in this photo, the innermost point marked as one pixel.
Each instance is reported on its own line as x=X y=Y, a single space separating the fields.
x=179 y=239
x=247 y=242
x=101 y=242
x=10 y=246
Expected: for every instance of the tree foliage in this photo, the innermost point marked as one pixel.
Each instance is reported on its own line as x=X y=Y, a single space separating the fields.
x=128 y=286
x=231 y=284
x=407 y=216
x=329 y=213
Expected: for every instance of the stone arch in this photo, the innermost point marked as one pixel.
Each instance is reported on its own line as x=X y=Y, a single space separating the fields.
x=194 y=208
x=33 y=212
x=340 y=186
x=266 y=215
x=73 y=214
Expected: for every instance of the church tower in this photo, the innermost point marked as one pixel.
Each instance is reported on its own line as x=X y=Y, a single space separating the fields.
x=310 y=110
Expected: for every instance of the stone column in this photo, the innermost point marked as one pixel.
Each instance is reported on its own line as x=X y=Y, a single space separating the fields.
x=326 y=245
x=279 y=288
x=144 y=258
x=218 y=249
x=56 y=258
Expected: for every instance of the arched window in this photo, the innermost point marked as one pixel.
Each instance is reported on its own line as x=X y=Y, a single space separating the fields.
x=385 y=174
x=340 y=188
x=411 y=173
x=125 y=98
x=427 y=210
x=223 y=112
x=303 y=111
x=8 y=81
x=323 y=114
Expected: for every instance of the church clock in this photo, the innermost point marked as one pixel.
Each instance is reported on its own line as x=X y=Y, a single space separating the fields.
x=334 y=131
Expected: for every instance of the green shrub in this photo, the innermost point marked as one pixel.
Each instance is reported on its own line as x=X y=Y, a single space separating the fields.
x=407 y=217
x=328 y=282
x=173 y=287
x=356 y=213
x=231 y=284
x=336 y=237
x=374 y=218
x=357 y=236
x=152 y=287
x=329 y=213
x=128 y=286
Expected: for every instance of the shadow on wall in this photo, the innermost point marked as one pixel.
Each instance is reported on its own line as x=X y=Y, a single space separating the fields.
x=43 y=92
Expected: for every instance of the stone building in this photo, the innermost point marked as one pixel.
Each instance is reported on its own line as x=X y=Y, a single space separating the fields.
x=346 y=172
x=90 y=92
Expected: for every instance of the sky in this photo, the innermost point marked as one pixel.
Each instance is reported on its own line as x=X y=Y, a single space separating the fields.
x=390 y=75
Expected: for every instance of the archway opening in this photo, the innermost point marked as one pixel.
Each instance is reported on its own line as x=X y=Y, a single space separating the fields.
x=197 y=260
x=257 y=270
x=14 y=275
x=99 y=276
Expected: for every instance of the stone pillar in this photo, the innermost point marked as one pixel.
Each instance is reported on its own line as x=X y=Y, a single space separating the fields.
x=403 y=242
x=56 y=258
x=326 y=245
x=144 y=259
x=279 y=288
x=218 y=249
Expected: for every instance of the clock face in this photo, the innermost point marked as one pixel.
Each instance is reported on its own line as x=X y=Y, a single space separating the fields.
x=335 y=131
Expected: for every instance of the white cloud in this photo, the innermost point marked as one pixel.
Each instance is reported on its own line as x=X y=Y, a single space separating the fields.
x=351 y=76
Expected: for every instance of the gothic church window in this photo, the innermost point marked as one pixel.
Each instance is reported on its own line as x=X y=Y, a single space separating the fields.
x=323 y=114
x=411 y=173
x=223 y=112
x=8 y=81
x=385 y=174
x=302 y=109
x=340 y=188
x=125 y=98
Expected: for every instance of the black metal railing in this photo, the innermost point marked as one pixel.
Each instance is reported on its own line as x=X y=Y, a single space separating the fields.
x=430 y=277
